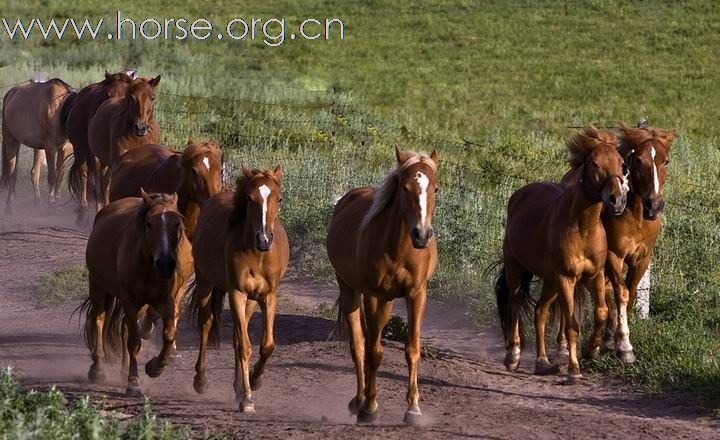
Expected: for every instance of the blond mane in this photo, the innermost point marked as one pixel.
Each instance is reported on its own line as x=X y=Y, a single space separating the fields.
x=632 y=137
x=583 y=143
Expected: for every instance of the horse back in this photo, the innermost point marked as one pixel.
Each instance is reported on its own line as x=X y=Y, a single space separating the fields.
x=32 y=113
x=155 y=168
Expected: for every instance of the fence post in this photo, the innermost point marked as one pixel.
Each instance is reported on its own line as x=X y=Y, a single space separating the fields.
x=642 y=301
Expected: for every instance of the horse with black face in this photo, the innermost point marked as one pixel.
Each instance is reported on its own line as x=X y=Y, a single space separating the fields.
x=137 y=256
x=556 y=234
x=382 y=247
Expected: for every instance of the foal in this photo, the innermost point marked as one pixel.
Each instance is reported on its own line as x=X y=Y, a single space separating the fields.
x=241 y=248
x=556 y=234
x=380 y=243
x=137 y=255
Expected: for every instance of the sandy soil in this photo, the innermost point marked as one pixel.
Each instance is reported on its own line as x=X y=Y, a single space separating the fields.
x=465 y=392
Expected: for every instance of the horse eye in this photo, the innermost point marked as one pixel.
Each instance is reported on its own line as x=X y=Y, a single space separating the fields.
x=437 y=188
x=280 y=200
x=667 y=161
x=595 y=165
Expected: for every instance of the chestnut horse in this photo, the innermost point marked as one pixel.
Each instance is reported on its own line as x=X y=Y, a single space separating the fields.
x=380 y=243
x=34 y=114
x=137 y=255
x=631 y=236
x=119 y=125
x=240 y=247
x=555 y=233
x=87 y=102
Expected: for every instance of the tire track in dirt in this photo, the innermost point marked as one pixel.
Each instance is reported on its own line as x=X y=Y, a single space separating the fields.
x=465 y=392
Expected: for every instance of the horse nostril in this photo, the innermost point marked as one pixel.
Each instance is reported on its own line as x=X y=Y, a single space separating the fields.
x=613 y=199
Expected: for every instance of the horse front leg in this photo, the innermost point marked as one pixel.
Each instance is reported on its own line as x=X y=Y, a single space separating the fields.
x=377 y=314
x=63 y=152
x=566 y=293
x=96 y=325
x=157 y=364
x=133 y=347
x=542 y=312
x=10 y=150
x=350 y=307
x=267 y=346
x=596 y=286
x=202 y=296
x=51 y=155
x=243 y=352
x=415 y=303
x=38 y=158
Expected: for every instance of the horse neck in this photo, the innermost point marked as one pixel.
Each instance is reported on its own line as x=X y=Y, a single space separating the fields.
x=585 y=210
x=189 y=209
x=396 y=233
x=135 y=235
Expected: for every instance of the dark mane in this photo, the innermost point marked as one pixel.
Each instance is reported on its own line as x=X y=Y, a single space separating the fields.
x=120 y=76
x=632 y=137
x=155 y=199
x=583 y=143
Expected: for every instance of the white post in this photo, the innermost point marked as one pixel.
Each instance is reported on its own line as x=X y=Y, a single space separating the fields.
x=642 y=300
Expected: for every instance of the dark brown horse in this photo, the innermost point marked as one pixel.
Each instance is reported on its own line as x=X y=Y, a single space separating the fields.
x=555 y=233
x=119 y=125
x=195 y=174
x=240 y=247
x=88 y=100
x=34 y=115
x=137 y=255
x=380 y=242
x=631 y=236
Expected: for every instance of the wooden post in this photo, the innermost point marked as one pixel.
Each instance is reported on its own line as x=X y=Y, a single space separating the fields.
x=642 y=301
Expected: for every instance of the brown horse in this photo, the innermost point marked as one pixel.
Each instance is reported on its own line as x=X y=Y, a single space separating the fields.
x=631 y=236
x=555 y=233
x=380 y=243
x=240 y=247
x=34 y=114
x=195 y=174
x=137 y=255
x=119 y=125
x=87 y=102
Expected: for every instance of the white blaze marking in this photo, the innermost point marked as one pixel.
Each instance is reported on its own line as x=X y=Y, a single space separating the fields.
x=264 y=193
x=206 y=161
x=656 y=181
x=423 y=183
x=164 y=243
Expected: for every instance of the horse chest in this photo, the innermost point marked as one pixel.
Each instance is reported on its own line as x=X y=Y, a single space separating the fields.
x=392 y=277
x=254 y=283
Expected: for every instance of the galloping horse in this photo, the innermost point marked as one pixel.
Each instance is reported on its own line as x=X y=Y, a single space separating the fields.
x=87 y=102
x=137 y=255
x=34 y=114
x=195 y=174
x=380 y=242
x=555 y=233
x=631 y=236
x=240 y=247
x=119 y=125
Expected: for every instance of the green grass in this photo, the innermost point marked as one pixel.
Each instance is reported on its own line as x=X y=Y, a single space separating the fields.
x=64 y=285
x=48 y=414
x=507 y=77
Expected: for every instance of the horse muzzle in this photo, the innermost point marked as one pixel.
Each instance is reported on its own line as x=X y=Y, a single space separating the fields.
x=653 y=207
x=141 y=129
x=263 y=242
x=165 y=267
x=616 y=205
x=421 y=237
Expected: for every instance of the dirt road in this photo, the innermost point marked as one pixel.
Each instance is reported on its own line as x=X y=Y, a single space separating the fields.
x=465 y=392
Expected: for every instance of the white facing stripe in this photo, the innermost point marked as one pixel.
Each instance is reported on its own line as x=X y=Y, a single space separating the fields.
x=206 y=161
x=423 y=182
x=656 y=181
x=264 y=193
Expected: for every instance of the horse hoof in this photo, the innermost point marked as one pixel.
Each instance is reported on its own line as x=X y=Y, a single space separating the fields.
x=200 y=384
x=590 y=354
x=366 y=417
x=247 y=407
x=543 y=367
x=609 y=345
x=255 y=382
x=512 y=361
x=146 y=333
x=133 y=390
x=96 y=375
x=562 y=353
x=355 y=404
x=413 y=417
x=626 y=357
x=152 y=368
x=573 y=377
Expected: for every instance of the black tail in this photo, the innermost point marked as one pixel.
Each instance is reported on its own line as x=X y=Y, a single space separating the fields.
x=111 y=335
x=216 y=306
x=581 y=302
x=502 y=299
x=65 y=111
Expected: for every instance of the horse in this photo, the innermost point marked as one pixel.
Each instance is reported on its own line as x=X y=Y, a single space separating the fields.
x=195 y=174
x=137 y=255
x=556 y=234
x=34 y=114
x=631 y=236
x=119 y=125
x=87 y=102
x=240 y=247
x=381 y=244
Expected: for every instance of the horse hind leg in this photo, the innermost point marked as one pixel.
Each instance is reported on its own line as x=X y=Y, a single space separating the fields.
x=63 y=153
x=10 y=150
x=350 y=314
x=51 y=155
x=513 y=288
x=202 y=300
x=267 y=346
x=377 y=313
x=38 y=159
x=95 y=326
x=542 y=312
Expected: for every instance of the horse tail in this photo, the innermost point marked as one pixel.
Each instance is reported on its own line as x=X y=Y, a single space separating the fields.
x=340 y=332
x=67 y=106
x=580 y=302
x=6 y=137
x=74 y=175
x=217 y=297
x=111 y=336
x=502 y=300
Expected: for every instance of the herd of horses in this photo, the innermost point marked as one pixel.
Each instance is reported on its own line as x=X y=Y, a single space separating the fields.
x=163 y=215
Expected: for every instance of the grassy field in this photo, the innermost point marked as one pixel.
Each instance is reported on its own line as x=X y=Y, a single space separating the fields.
x=493 y=86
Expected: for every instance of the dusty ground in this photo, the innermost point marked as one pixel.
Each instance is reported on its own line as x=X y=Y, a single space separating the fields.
x=465 y=392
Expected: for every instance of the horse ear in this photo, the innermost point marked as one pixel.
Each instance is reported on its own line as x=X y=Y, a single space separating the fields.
x=190 y=141
x=669 y=136
x=107 y=75
x=400 y=155
x=434 y=157
x=247 y=172
x=174 y=198
x=278 y=171
x=155 y=81
x=144 y=195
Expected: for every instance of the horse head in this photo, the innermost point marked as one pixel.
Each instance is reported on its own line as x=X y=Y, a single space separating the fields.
x=417 y=187
x=140 y=100
x=164 y=228
x=257 y=204
x=202 y=170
